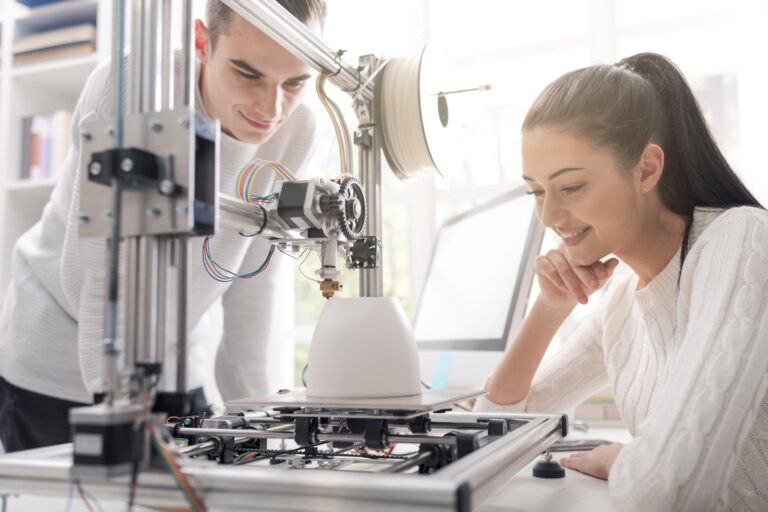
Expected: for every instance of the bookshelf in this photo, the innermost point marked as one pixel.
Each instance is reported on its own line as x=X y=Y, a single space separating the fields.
x=39 y=84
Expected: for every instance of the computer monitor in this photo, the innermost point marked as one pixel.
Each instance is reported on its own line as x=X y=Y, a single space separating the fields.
x=480 y=275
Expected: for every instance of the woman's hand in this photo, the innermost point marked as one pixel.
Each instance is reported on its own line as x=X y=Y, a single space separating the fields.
x=596 y=462
x=564 y=284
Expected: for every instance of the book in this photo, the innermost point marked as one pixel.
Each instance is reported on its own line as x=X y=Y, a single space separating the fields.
x=54 y=53
x=38 y=3
x=83 y=33
x=26 y=147
x=45 y=144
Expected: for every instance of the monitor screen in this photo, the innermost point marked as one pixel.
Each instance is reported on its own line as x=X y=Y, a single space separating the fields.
x=479 y=275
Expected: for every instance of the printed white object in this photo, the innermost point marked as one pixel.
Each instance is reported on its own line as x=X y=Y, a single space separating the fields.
x=363 y=347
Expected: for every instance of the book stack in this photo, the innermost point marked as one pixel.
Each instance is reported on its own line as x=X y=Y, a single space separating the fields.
x=53 y=44
x=599 y=411
x=45 y=142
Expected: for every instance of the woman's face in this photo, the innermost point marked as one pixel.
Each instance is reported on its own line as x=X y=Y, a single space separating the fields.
x=581 y=193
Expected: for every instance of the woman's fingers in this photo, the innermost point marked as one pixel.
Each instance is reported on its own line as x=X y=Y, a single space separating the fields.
x=569 y=275
x=603 y=270
x=545 y=269
x=577 y=281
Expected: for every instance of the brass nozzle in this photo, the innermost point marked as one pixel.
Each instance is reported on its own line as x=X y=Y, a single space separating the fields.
x=329 y=287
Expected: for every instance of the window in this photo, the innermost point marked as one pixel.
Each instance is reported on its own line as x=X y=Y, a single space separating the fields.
x=519 y=48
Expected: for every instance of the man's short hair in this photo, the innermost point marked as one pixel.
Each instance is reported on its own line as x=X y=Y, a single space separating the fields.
x=219 y=14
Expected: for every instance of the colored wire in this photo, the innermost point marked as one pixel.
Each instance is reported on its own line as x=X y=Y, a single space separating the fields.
x=301 y=266
x=297 y=258
x=339 y=125
x=168 y=508
x=81 y=492
x=246 y=179
x=223 y=275
x=179 y=477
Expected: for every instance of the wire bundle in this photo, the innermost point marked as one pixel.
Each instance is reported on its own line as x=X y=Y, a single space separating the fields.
x=221 y=274
x=339 y=125
x=181 y=480
x=247 y=177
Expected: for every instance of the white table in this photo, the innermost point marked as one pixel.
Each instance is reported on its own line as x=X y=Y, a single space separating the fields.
x=576 y=492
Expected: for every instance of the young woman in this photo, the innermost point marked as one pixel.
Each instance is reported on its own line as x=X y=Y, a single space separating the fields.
x=621 y=162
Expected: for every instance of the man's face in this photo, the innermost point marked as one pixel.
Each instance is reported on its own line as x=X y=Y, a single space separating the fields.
x=248 y=81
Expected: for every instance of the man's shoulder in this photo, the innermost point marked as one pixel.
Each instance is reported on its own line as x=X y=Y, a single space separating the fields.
x=96 y=96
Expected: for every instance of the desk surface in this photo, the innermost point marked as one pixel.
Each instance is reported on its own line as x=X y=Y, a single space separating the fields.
x=576 y=492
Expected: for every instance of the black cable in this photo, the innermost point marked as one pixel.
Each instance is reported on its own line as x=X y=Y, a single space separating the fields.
x=264 y=222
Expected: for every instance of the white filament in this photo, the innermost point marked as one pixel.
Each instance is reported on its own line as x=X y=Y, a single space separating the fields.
x=402 y=123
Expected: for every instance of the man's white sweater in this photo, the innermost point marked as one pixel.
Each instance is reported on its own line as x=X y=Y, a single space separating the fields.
x=51 y=326
x=688 y=366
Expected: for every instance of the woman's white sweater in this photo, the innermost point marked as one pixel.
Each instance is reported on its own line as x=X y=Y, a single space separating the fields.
x=688 y=366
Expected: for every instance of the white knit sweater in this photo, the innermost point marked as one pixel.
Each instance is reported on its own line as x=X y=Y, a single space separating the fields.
x=688 y=367
x=51 y=325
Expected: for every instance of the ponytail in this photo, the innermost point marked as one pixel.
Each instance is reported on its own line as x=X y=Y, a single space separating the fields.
x=695 y=171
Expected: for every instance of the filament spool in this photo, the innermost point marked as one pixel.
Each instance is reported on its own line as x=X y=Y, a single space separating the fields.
x=420 y=136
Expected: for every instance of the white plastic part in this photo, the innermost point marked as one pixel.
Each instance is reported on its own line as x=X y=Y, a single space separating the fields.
x=363 y=347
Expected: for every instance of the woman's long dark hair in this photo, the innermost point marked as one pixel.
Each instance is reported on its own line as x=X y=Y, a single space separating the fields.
x=640 y=100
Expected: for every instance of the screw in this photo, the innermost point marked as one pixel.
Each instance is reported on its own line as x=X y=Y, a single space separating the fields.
x=167 y=187
x=108 y=214
x=182 y=210
x=156 y=126
x=84 y=219
x=183 y=121
x=111 y=132
x=94 y=168
x=153 y=213
x=126 y=164
x=86 y=136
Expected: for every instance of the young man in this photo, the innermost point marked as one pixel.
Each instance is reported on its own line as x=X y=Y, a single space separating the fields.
x=51 y=325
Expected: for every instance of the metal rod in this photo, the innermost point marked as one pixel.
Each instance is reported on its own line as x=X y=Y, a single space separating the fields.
x=272 y=19
x=188 y=52
x=136 y=57
x=147 y=291
x=347 y=438
x=369 y=154
x=233 y=432
x=341 y=438
x=479 y=88
x=131 y=300
x=421 y=439
x=207 y=447
x=150 y=52
x=181 y=290
x=249 y=219
x=457 y=424
x=118 y=67
x=110 y=371
x=416 y=460
x=162 y=297
x=199 y=449
x=166 y=58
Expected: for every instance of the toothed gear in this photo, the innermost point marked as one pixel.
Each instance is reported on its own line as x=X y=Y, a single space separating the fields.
x=331 y=202
x=354 y=210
